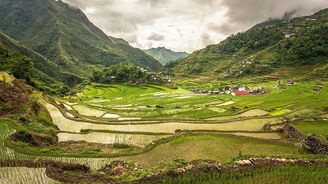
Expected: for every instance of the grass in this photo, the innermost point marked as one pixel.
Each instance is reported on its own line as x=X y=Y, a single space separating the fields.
x=280 y=112
x=273 y=135
x=313 y=127
x=281 y=174
x=222 y=148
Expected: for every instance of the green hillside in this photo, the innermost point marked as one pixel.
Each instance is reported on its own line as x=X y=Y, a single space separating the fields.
x=26 y=64
x=64 y=34
x=165 y=55
x=264 y=49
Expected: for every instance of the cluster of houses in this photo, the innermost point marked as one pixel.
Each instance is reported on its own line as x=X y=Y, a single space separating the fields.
x=158 y=77
x=166 y=79
x=248 y=62
x=151 y=77
x=293 y=30
x=240 y=91
x=245 y=65
x=233 y=91
x=163 y=79
x=291 y=83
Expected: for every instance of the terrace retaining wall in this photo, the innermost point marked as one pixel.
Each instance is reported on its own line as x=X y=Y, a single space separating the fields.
x=210 y=166
x=292 y=132
x=310 y=143
x=315 y=145
x=78 y=173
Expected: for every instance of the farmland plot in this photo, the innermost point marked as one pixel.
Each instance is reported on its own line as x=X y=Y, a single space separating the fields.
x=221 y=148
x=247 y=114
x=170 y=127
x=313 y=127
x=86 y=111
x=273 y=135
x=23 y=175
x=9 y=154
x=111 y=138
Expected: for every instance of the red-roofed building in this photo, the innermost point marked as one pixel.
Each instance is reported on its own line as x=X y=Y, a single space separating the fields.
x=240 y=93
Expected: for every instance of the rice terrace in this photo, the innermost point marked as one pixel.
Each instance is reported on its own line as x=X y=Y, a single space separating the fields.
x=80 y=106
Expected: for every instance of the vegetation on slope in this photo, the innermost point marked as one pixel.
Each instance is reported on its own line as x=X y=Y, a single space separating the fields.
x=39 y=72
x=319 y=128
x=63 y=34
x=12 y=96
x=165 y=55
x=125 y=74
x=263 y=49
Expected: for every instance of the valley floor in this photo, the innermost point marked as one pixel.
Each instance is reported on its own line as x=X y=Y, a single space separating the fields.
x=151 y=125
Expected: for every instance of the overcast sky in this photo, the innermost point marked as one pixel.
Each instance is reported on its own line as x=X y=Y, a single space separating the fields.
x=185 y=25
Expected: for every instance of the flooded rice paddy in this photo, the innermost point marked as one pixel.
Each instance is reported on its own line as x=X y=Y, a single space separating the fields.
x=168 y=127
x=22 y=175
x=112 y=138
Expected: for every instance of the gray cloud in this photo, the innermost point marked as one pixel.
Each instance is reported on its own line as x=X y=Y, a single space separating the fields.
x=186 y=24
x=156 y=37
x=206 y=39
x=154 y=3
x=243 y=14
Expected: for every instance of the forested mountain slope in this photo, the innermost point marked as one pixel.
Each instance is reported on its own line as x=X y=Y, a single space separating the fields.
x=64 y=34
x=38 y=71
x=165 y=55
x=263 y=49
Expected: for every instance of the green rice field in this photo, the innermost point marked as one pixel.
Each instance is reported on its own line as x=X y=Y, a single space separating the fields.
x=158 y=102
x=282 y=174
x=222 y=148
x=313 y=127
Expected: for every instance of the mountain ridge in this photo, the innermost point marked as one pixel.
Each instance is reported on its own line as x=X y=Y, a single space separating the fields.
x=164 y=55
x=65 y=35
x=262 y=49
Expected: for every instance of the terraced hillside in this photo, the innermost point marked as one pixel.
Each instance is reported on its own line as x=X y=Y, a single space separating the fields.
x=110 y=122
x=264 y=49
x=119 y=102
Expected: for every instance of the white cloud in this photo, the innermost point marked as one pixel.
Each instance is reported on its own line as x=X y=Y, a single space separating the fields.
x=185 y=25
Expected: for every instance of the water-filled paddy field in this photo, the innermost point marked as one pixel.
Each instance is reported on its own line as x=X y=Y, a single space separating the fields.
x=126 y=108
x=15 y=175
x=112 y=138
x=68 y=125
